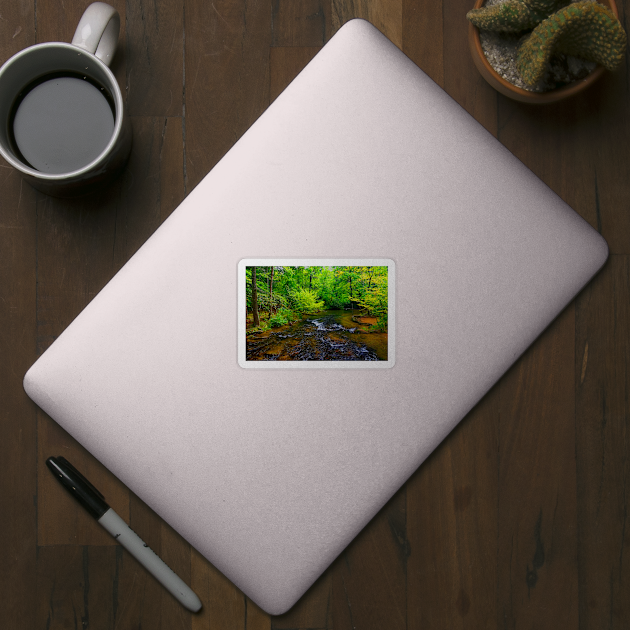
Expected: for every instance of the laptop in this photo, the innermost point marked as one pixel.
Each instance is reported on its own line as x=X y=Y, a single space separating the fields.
x=265 y=419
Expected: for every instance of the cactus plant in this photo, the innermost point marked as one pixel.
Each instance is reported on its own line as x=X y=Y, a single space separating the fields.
x=513 y=16
x=583 y=29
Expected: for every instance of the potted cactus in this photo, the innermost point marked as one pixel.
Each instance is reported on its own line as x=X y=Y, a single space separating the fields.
x=557 y=49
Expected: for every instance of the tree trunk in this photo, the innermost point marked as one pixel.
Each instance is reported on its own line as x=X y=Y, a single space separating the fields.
x=271 y=293
x=351 y=300
x=255 y=298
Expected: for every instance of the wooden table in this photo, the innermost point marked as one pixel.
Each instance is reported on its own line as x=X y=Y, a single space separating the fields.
x=518 y=520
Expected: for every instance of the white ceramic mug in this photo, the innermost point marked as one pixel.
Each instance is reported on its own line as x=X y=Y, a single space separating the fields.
x=87 y=58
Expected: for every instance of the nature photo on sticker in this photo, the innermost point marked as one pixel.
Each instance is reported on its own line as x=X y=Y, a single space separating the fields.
x=316 y=313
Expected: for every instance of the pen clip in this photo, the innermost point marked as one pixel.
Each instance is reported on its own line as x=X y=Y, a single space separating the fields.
x=64 y=462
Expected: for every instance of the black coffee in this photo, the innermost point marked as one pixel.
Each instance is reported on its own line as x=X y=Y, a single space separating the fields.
x=62 y=123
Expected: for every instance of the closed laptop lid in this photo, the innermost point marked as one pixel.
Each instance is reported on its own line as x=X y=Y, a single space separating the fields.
x=270 y=473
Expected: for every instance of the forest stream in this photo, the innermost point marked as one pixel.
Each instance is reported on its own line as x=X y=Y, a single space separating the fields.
x=330 y=335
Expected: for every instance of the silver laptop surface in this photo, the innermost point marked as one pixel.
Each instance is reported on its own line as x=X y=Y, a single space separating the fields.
x=362 y=162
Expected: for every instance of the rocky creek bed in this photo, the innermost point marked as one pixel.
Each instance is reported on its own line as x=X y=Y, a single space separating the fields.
x=327 y=336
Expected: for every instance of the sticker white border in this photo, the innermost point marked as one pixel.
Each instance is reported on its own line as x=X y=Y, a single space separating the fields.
x=317 y=262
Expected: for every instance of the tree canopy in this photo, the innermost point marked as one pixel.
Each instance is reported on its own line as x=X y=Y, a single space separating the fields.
x=283 y=292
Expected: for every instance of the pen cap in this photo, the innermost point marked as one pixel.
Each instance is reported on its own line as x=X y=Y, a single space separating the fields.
x=78 y=486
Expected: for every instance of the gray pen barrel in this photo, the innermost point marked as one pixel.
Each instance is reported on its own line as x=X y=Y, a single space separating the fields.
x=149 y=559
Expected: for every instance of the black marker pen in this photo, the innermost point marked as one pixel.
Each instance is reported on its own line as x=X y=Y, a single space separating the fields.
x=94 y=502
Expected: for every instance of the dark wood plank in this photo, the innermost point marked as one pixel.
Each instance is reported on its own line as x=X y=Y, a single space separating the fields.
x=57 y=22
x=143 y=601
x=18 y=419
x=312 y=611
x=154 y=57
x=255 y=618
x=461 y=78
x=226 y=78
x=386 y=15
x=18 y=416
x=537 y=509
x=570 y=146
x=17 y=27
x=224 y=606
x=558 y=147
x=76 y=587
x=369 y=588
x=171 y=159
x=302 y=23
x=608 y=139
x=152 y=185
x=603 y=444
x=576 y=147
x=285 y=64
x=452 y=527
x=422 y=36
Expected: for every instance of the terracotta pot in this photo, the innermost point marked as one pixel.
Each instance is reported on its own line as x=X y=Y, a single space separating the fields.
x=512 y=91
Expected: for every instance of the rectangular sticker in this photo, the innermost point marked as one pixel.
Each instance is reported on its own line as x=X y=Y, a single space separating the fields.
x=316 y=313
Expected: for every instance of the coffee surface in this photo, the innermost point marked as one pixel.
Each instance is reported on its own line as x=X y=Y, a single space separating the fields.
x=62 y=124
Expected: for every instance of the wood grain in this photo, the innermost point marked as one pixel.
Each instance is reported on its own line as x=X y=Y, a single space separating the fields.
x=226 y=78
x=537 y=537
x=608 y=139
x=300 y=23
x=602 y=381
x=154 y=57
x=386 y=15
x=18 y=416
x=224 y=606
x=76 y=587
x=452 y=519
x=313 y=609
x=518 y=520
x=461 y=79
x=152 y=605
x=369 y=577
x=285 y=64
x=18 y=324
x=422 y=36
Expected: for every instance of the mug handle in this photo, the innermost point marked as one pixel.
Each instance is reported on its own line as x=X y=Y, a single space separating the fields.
x=98 y=30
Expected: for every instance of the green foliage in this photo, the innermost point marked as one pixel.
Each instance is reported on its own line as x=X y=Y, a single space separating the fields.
x=305 y=301
x=277 y=320
x=583 y=29
x=381 y=324
x=513 y=16
x=374 y=299
x=282 y=317
x=283 y=293
x=255 y=329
